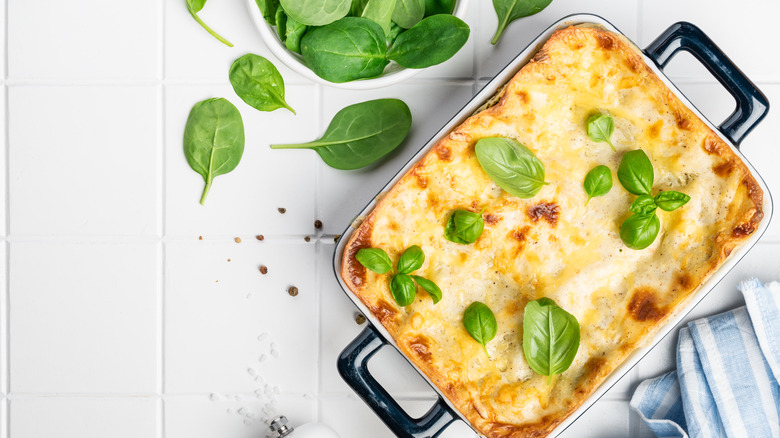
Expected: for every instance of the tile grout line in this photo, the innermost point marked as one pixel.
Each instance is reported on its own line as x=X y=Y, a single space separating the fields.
x=161 y=275
x=317 y=267
x=5 y=343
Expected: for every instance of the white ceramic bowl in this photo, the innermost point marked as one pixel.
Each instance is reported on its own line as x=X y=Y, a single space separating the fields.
x=393 y=73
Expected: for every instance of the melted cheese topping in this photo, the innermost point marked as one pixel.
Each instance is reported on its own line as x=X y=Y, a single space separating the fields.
x=553 y=245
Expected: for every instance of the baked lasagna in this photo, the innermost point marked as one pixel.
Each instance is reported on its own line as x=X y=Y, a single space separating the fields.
x=554 y=245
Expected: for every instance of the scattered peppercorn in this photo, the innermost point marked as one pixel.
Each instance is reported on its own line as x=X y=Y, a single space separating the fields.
x=282 y=210
x=237 y=240
x=228 y=259
x=318 y=224
x=200 y=237
x=336 y=238
x=293 y=291
x=263 y=269
x=260 y=237
x=360 y=319
x=307 y=238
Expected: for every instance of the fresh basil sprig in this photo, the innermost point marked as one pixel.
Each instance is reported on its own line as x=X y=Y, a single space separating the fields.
x=551 y=337
x=402 y=283
x=598 y=182
x=193 y=7
x=480 y=323
x=258 y=83
x=636 y=175
x=635 y=172
x=411 y=260
x=375 y=259
x=510 y=10
x=431 y=41
x=600 y=129
x=464 y=227
x=213 y=140
x=511 y=165
x=360 y=134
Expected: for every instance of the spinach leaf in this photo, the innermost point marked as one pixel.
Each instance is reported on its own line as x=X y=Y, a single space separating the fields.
x=395 y=30
x=268 y=10
x=193 y=7
x=598 y=182
x=316 y=12
x=551 y=337
x=293 y=33
x=213 y=140
x=671 y=200
x=464 y=227
x=644 y=204
x=411 y=260
x=480 y=323
x=430 y=287
x=348 y=49
x=375 y=259
x=360 y=134
x=510 y=10
x=600 y=129
x=635 y=172
x=379 y=11
x=408 y=12
x=434 y=7
x=281 y=23
x=431 y=41
x=640 y=230
x=511 y=165
x=402 y=287
x=258 y=83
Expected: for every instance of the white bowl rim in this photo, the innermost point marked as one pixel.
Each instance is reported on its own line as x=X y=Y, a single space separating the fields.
x=291 y=60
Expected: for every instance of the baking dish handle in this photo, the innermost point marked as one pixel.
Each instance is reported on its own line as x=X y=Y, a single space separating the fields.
x=353 y=367
x=752 y=105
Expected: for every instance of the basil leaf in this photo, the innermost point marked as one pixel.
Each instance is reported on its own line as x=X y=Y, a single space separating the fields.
x=408 y=12
x=434 y=7
x=431 y=41
x=551 y=337
x=644 y=204
x=511 y=165
x=316 y=13
x=411 y=260
x=268 y=10
x=213 y=139
x=635 y=172
x=402 y=287
x=598 y=182
x=510 y=10
x=600 y=129
x=360 y=134
x=429 y=287
x=348 y=49
x=375 y=259
x=480 y=323
x=379 y=11
x=464 y=227
x=640 y=230
x=671 y=200
x=258 y=83
x=193 y=7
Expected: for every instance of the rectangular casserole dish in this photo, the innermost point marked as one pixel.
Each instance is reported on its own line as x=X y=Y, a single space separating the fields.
x=751 y=108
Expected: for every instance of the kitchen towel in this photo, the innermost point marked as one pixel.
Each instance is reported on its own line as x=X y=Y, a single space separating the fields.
x=728 y=366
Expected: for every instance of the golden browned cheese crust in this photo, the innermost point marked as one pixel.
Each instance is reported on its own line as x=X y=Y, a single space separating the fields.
x=553 y=245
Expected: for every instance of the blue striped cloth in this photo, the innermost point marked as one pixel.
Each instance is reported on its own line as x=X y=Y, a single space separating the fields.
x=728 y=366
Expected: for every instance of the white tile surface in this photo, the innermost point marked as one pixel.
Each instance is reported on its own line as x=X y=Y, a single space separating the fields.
x=224 y=323
x=265 y=181
x=85 y=39
x=83 y=160
x=88 y=324
x=83 y=417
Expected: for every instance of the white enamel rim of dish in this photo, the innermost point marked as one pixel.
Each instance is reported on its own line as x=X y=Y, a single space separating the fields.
x=488 y=91
x=393 y=73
